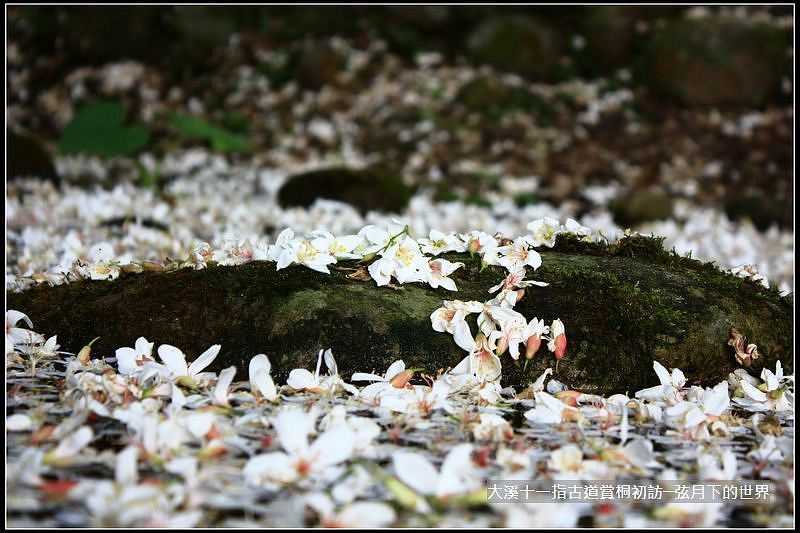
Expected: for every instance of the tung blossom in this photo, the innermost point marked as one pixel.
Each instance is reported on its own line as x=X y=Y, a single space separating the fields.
x=396 y=377
x=313 y=253
x=16 y=335
x=696 y=419
x=352 y=515
x=550 y=410
x=544 y=231
x=533 y=333
x=420 y=400
x=670 y=389
x=302 y=379
x=337 y=247
x=458 y=474
x=440 y=269
x=175 y=361
x=519 y=254
x=441 y=242
x=558 y=340
x=261 y=383
x=512 y=289
x=300 y=460
x=771 y=395
x=130 y=359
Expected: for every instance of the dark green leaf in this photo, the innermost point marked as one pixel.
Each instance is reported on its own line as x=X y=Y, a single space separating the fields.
x=98 y=129
x=221 y=139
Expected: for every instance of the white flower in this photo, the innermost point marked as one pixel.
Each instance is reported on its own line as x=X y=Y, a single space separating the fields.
x=220 y=394
x=234 y=253
x=669 y=390
x=338 y=247
x=568 y=458
x=483 y=361
x=19 y=422
x=299 y=459
x=49 y=349
x=544 y=232
x=512 y=288
x=371 y=515
x=511 y=333
x=519 y=254
x=696 y=420
x=130 y=359
x=442 y=242
x=420 y=399
x=396 y=377
x=70 y=447
x=365 y=429
x=550 y=410
x=311 y=253
x=260 y=380
x=492 y=427
x=532 y=336
x=772 y=449
x=394 y=369
x=201 y=254
x=714 y=464
x=301 y=379
x=452 y=319
x=15 y=335
x=439 y=270
x=409 y=263
x=100 y=270
x=772 y=395
x=568 y=463
x=483 y=244
x=458 y=474
x=175 y=361
x=377 y=238
x=573 y=226
x=750 y=271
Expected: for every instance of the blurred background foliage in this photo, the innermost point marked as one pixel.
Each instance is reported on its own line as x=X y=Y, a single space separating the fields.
x=676 y=65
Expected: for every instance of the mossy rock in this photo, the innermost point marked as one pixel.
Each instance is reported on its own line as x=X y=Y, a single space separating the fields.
x=516 y=43
x=315 y=64
x=370 y=189
x=494 y=98
x=27 y=157
x=612 y=39
x=719 y=61
x=623 y=306
x=637 y=206
x=762 y=210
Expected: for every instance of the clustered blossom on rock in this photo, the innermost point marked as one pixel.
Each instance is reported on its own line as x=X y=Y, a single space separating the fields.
x=392 y=253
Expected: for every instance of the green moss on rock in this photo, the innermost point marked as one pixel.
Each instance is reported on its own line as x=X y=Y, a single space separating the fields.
x=623 y=305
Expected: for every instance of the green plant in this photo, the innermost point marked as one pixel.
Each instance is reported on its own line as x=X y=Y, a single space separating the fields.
x=221 y=140
x=98 y=129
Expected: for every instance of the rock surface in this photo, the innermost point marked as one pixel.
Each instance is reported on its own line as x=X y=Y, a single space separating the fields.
x=623 y=306
x=718 y=61
x=366 y=189
x=518 y=44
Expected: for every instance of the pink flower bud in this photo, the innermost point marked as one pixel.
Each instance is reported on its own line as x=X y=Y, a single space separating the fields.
x=532 y=346
x=561 y=346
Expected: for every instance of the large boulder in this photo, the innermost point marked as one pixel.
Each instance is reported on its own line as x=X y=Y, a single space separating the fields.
x=369 y=189
x=518 y=44
x=719 y=61
x=623 y=306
